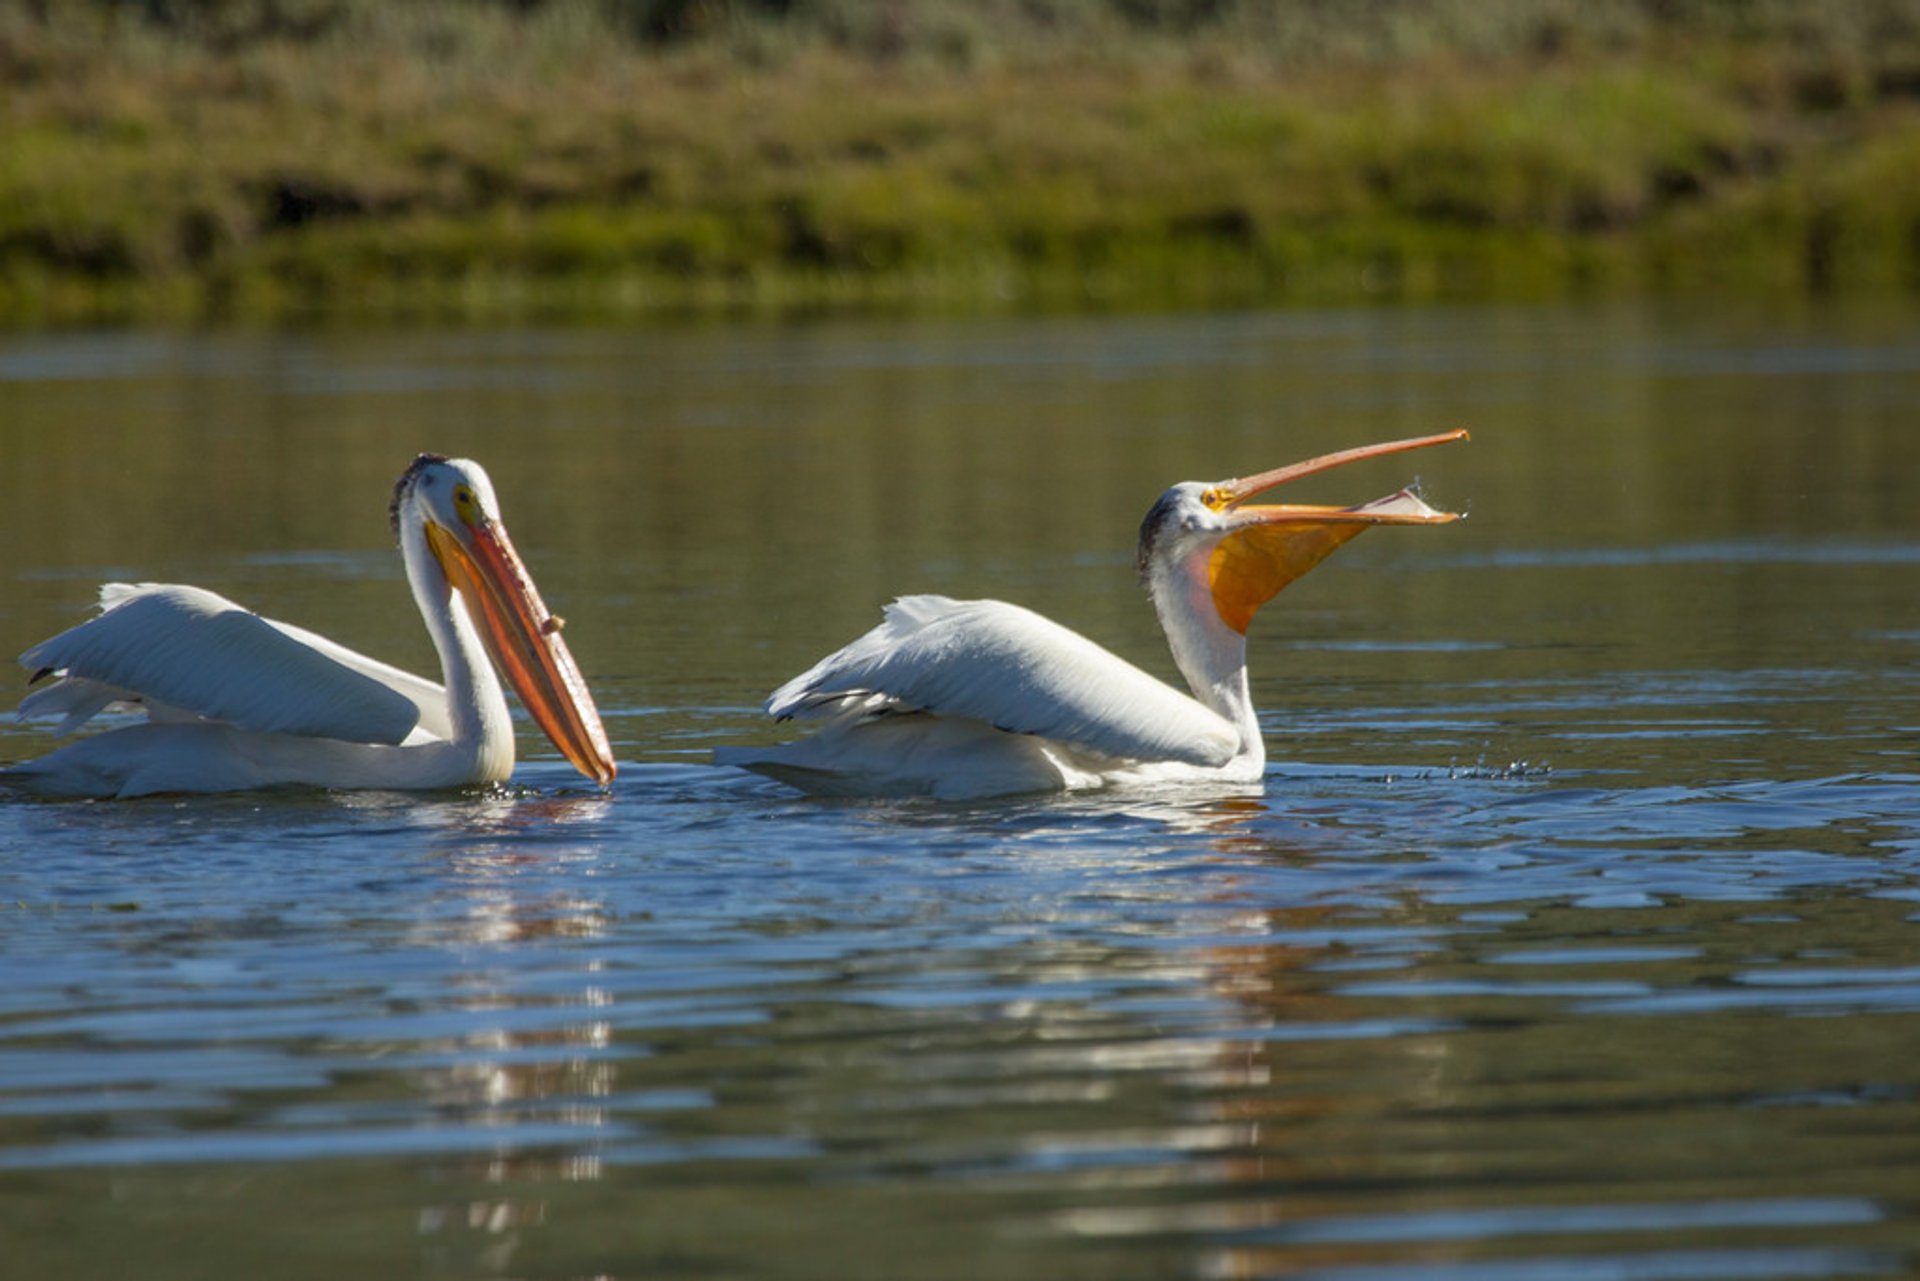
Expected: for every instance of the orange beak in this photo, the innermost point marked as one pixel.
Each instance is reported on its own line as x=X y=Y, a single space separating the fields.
x=524 y=640
x=1270 y=545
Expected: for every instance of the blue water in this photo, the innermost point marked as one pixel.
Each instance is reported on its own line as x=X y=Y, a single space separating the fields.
x=1572 y=933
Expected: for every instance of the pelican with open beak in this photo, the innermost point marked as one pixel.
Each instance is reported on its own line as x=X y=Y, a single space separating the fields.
x=237 y=701
x=977 y=698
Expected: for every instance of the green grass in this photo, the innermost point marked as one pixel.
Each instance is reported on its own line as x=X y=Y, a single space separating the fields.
x=261 y=159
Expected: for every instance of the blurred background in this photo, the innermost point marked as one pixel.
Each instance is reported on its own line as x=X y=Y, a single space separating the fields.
x=508 y=159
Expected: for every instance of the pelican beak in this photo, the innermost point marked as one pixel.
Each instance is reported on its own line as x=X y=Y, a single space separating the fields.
x=524 y=639
x=1267 y=546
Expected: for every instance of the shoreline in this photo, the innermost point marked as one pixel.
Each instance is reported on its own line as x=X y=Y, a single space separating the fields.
x=148 y=177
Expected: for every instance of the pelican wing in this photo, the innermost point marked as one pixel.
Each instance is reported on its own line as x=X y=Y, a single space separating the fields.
x=1011 y=668
x=188 y=650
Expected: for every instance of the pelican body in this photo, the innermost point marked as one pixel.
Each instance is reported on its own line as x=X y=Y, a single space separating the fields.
x=236 y=701
x=958 y=699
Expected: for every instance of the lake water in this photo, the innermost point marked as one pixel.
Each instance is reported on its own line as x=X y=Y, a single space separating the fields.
x=1574 y=933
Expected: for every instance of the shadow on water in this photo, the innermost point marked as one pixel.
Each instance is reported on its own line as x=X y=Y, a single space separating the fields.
x=1571 y=934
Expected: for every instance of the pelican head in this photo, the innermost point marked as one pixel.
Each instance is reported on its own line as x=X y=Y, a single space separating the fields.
x=1206 y=549
x=447 y=505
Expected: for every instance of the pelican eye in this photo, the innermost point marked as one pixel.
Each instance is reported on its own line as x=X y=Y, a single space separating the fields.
x=1214 y=499
x=465 y=504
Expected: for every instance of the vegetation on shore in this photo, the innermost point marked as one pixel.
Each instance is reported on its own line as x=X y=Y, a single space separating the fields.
x=498 y=158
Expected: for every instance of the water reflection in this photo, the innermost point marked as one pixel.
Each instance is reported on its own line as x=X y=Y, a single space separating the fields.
x=505 y=1078
x=1642 y=1005
x=1144 y=1033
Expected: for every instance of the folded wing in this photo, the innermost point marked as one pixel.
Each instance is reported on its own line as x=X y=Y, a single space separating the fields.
x=1011 y=668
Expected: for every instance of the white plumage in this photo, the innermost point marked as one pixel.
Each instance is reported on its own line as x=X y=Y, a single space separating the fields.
x=959 y=699
x=1016 y=671
x=237 y=701
x=189 y=648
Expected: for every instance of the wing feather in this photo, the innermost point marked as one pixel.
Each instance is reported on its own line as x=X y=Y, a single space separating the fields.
x=196 y=651
x=1013 y=669
x=75 y=699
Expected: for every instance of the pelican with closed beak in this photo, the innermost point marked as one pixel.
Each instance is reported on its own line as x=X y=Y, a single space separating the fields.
x=236 y=701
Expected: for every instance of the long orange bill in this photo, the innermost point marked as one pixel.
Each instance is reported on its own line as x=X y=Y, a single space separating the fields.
x=525 y=642
x=1230 y=492
x=1274 y=544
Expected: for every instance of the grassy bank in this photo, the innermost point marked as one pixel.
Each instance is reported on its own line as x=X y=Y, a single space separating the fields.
x=255 y=160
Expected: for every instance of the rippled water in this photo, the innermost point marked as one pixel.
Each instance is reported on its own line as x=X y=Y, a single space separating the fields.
x=1571 y=935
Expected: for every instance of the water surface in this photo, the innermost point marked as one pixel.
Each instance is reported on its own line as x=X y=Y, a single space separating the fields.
x=1572 y=933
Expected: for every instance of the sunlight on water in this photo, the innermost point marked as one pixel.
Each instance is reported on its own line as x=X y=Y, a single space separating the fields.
x=1569 y=936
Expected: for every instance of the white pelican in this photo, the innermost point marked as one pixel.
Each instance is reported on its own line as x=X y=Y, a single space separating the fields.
x=960 y=699
x=237 y=701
